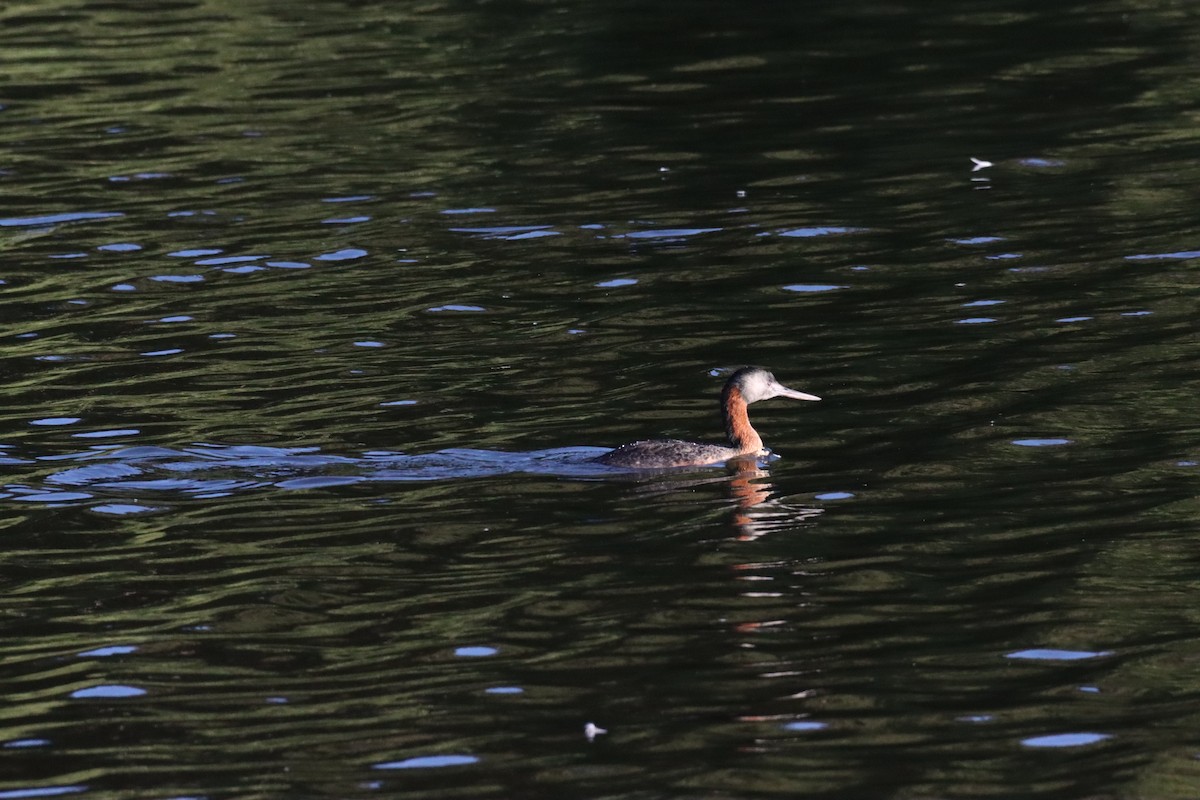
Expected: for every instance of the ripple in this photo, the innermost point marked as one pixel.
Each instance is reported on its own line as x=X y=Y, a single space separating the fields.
x=806 y=725
x=475 y=652
x=1047 y=654
x=320 y=482
x=122 y=509
x=616 y=282
x=978 y=240
x=974 y=321
x=112 y=650
x=426 y=762
x=111 y=690
x=347 y=254
x=1040 y=442
x=1065 y=739
x=509 y=232
x=198 y=253
x=812 y=287
x=1181 y=254
x=806 y=233
x=666 y=233
x=44 y=791
x=223 y=260
x=55 y=219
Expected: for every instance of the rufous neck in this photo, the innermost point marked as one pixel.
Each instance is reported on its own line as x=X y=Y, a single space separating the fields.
x=741 y=434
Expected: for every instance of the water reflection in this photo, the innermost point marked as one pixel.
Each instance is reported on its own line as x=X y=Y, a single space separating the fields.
x=757 y=511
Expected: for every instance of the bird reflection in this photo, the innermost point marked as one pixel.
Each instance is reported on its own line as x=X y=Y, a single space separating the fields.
x=757 y=512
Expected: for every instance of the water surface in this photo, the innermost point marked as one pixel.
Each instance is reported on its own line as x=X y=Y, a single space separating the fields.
x=314 y=317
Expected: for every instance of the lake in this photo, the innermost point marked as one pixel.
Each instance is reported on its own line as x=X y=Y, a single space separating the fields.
x=315 y=315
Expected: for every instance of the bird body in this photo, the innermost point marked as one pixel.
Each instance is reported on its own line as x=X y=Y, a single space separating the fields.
x=747 y=385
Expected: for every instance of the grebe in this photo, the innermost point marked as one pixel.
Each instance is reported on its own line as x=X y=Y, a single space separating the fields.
x=747 y=385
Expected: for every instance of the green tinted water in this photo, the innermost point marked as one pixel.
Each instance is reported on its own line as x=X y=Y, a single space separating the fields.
x=306 y=309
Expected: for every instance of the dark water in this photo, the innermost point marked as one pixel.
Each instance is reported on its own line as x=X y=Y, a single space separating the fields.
x=314 y=313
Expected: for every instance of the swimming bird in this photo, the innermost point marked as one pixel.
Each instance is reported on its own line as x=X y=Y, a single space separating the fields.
x=747 y=385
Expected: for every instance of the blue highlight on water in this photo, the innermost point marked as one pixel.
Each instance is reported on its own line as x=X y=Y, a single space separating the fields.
x=111 y=650
x=110 y=691
x=196 y=253
x=56 y=219
x=978 y=240
x=44 y=791
x=347 y=254
x=1051 y=654
x=20 y=744
x=475 y=652
x=807 y=233
x=806 y=725
x=1065 y=739
x=1180 y=254
x=223 y=260
x=812 y=287
x=107 y=434
x=425 y=762
x=666 y=233
x=122 y=509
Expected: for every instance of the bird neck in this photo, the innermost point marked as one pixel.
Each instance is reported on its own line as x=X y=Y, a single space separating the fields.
x=741 y=434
